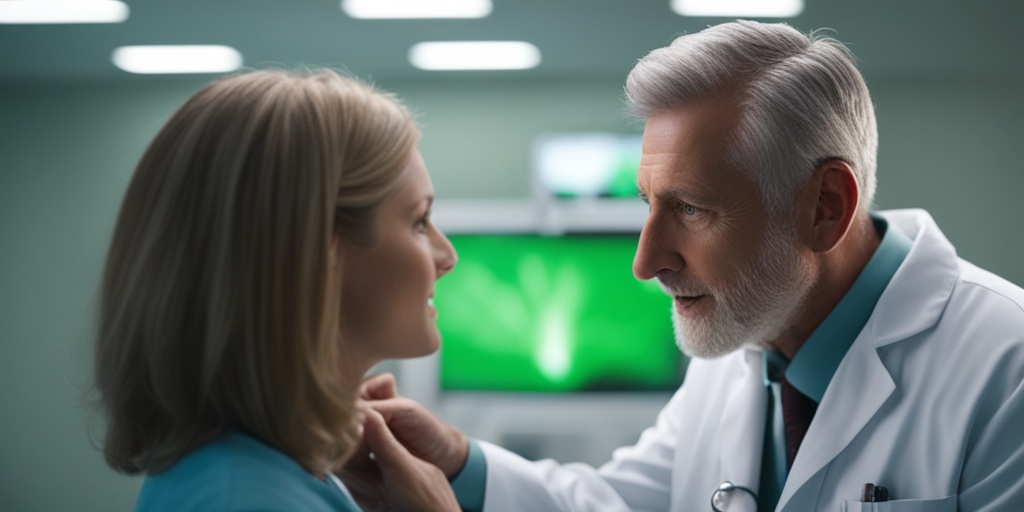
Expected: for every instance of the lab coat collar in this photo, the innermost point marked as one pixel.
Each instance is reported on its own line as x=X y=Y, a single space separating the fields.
x=925 y=284
x=746 y=405
x=913 y=302
x=815 y=363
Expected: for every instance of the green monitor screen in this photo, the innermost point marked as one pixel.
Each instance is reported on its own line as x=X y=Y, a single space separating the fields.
x=533 y=313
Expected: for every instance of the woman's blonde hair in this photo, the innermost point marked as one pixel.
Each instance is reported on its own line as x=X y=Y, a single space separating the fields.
x=218 y=304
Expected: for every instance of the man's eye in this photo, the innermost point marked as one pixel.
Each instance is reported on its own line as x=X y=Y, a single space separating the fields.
x=689 y=209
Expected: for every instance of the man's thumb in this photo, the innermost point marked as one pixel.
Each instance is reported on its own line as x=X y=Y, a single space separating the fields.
x=386 y=449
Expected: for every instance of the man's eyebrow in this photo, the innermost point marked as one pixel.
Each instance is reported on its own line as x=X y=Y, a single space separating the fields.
x=696 y=195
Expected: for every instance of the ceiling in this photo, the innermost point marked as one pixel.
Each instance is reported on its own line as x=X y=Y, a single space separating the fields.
x=577 y=38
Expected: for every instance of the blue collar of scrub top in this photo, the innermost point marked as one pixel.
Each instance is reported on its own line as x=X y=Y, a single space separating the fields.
x=816 y=361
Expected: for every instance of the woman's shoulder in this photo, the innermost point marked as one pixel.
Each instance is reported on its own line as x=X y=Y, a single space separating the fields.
x=237 y=472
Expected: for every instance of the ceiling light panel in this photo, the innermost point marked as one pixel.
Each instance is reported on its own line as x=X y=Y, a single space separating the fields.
x=474 y=55
x=173 y=59
x=395 y=9
x=62 y=11
x=739 y=8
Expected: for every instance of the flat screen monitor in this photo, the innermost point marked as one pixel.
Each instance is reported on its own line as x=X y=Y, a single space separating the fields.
x=573 y=165
x=536 y=313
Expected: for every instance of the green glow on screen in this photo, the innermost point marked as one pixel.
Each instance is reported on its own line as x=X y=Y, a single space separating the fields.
x=553 y=314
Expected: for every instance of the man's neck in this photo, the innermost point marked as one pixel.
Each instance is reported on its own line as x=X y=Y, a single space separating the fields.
x=835 y=273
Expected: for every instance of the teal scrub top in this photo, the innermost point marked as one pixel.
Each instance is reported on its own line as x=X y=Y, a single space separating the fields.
x=238 y=472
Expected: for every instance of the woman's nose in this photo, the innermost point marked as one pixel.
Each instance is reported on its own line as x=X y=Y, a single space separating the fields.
x=445 y=256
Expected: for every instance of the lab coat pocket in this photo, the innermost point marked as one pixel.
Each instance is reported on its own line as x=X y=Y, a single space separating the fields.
x=947 y=504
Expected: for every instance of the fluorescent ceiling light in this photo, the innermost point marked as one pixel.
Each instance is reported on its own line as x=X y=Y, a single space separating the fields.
x=177 y=59
x=62 y=11
x=376 y=9
x=474 y=55
x=739 y=8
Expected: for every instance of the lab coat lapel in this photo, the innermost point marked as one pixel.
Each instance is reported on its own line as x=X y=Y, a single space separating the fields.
x=912 y=303
x=840 y=418
x=742 y=431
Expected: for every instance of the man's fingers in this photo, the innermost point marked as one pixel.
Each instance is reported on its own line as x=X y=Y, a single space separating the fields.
x=387 y=451
x=424 y=435
x=360 y=457
x=378 y=387
x=408 y=483
x=391 y=407
x=360 y=460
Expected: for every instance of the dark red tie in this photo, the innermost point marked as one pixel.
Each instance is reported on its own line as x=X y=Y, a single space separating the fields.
x=797 y=412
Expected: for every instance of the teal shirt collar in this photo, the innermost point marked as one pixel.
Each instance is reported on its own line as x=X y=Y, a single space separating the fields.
x=812 y=367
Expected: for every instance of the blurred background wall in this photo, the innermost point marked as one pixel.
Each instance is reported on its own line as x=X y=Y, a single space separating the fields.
x=950 y=143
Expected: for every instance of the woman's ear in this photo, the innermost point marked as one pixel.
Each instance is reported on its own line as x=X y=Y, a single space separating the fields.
x=834 y=195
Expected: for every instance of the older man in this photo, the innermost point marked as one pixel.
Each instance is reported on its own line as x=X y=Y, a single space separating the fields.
x=840 y=356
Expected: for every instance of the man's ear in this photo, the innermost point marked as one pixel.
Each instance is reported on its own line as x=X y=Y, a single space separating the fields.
x=834 y=194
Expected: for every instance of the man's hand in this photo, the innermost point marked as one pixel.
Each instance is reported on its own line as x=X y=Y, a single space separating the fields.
x=383 y=475
x=419 y=430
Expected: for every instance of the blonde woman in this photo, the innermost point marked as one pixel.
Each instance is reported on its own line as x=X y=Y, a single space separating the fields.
x=274 y=243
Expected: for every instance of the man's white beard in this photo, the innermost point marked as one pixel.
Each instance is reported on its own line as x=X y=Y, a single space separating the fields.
x=756 y=307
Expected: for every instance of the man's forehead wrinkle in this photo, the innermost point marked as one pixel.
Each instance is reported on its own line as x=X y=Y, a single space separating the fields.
x=667 y=182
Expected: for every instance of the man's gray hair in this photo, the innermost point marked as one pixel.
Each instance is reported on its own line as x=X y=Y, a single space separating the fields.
x=802 y=100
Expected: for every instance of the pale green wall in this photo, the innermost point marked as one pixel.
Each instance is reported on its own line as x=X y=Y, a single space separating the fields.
x=954 y=147
x=66 y=151
x=477 y=136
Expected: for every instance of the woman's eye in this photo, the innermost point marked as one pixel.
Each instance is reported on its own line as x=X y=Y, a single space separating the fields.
x=422 y=223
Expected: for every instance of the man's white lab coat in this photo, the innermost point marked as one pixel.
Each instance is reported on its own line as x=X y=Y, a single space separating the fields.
x=927 y=402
